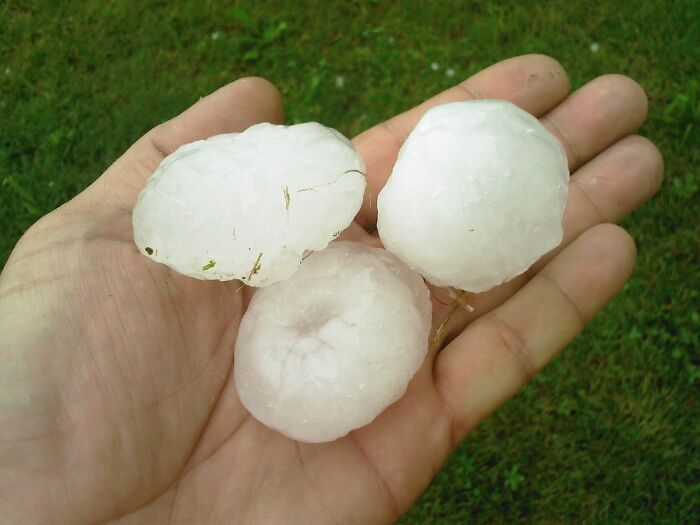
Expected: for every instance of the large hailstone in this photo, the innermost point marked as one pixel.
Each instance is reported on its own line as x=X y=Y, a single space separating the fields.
x=327 y=350
x=476 y=196
x=248 y=206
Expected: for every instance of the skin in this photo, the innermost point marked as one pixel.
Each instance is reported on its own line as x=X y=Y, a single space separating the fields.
x=117 y=401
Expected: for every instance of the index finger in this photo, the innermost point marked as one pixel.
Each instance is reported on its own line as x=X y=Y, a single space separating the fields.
x=497 y=354
x=536 y=83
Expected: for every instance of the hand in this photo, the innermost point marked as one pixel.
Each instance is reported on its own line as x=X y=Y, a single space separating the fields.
x=117 y=400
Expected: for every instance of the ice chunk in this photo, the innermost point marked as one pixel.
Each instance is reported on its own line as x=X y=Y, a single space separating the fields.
x=248 y=206
x=476 y=196
x=327 y=350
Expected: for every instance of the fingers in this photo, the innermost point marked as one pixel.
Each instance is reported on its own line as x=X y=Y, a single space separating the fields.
x=231 y=108
x=534 y=82
x=606 y=189
x=596 y=116
x=586 y=123
x=500 y=352
x=611 y=186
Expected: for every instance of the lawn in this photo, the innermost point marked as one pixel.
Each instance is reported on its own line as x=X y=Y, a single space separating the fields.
x=609 y=432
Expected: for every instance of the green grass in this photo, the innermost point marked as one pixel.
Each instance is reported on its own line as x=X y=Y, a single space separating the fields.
x=609 y=432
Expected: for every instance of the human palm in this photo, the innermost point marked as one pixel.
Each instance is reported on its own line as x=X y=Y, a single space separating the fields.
x=118 y=401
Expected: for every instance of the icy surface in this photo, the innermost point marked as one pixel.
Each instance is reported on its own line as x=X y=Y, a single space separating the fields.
x=327 y=350
x=248 y=206
x=476 y=196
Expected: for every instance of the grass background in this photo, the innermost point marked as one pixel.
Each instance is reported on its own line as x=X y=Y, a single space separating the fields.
x=608 y=433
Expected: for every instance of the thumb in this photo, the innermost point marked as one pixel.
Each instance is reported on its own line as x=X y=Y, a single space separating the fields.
x=232 y=108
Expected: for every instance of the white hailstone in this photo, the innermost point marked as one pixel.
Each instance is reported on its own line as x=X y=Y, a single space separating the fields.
x=476 y=196
x=248 y=206
x=327 y=350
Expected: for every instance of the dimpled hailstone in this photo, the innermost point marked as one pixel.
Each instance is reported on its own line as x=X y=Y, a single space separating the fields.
x=248 y=206
x=327 y=350
x=477 y=195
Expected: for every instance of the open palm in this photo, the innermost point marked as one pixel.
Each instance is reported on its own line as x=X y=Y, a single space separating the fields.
x=117 y=400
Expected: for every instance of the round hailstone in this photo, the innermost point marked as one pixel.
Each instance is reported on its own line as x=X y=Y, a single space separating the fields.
x=249 y=205
x=476 y=196
x=327 y=350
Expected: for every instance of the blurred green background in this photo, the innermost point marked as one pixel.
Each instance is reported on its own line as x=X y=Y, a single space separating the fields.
x=606 y=434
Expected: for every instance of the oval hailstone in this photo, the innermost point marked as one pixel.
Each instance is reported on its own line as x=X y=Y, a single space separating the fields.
x=327 y=350
x=476 y=196
x=249 y=205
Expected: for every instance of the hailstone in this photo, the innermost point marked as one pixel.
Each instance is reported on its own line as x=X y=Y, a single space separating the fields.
x=250 y=205
x=476 y=196
x=327 y=350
